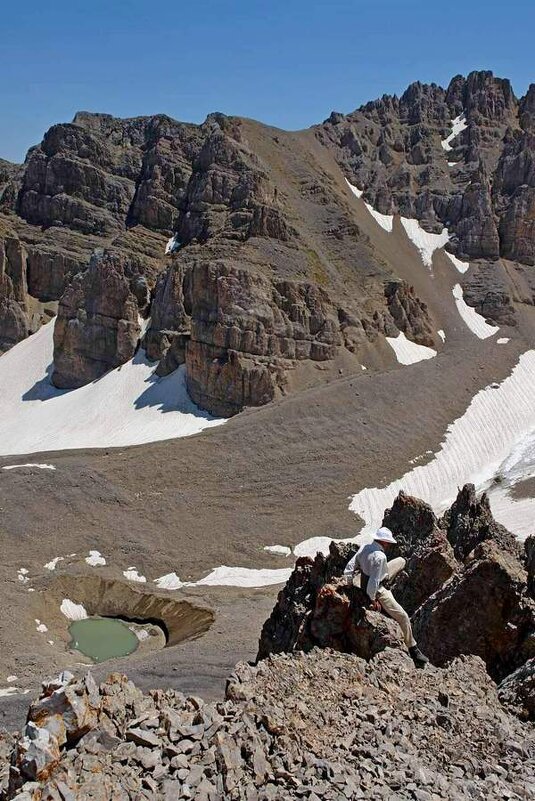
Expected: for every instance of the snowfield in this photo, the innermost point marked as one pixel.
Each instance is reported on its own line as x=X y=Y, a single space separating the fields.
x=495 y=437
x=127 y=406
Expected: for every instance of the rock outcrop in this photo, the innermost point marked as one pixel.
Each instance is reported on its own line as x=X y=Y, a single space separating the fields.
x=321 y=726
x=21 y=311
x=479 y=183
x=469 y=522
x=464 y=584
x=97 y=327
x=317 y=607
x=479 y=611
x=14 y=322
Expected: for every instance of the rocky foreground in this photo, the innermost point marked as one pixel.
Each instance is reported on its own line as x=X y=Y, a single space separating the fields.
x=334 y=708
x=322 y=725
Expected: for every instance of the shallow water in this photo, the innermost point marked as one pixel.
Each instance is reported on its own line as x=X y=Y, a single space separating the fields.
x=102 y=638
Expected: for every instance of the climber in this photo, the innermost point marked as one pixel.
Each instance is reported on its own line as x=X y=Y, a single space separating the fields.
x=374 y=570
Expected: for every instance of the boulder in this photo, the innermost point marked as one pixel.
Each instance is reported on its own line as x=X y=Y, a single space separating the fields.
x=479 y=611
x=68 y=709
x=65 y=711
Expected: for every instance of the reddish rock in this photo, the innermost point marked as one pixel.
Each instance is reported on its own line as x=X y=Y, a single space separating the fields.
x=317 y=607
x=479 y=611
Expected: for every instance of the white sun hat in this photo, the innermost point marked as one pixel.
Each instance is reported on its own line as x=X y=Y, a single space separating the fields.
x=384 y=534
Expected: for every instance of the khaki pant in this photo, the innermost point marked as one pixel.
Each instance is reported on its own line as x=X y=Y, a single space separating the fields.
x=389 y=603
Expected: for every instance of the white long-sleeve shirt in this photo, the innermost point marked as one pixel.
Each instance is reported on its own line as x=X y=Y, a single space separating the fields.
x=371 y=559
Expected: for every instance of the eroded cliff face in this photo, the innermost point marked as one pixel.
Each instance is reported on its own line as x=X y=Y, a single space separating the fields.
x=20 y=313
x=239 y=242
x=240 y=333
x=480 y=183
x=98 y=326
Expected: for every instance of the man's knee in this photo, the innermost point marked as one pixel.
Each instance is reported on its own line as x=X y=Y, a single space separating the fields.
x=395 y=566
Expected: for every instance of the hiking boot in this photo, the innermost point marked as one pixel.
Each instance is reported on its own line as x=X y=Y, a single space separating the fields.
x=419 y=659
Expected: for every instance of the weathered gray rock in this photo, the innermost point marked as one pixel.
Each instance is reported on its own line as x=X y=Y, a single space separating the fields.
x=391 y=148
x=469 y=522
x=97 y=327
x=517 y=691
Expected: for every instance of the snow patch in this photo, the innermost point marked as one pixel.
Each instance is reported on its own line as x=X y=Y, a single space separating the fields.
x=452 y=163
x=132 y=575
x=169 y=582
x=496 y=423
x=457 y=125
x=442 y=335
x=475 y=321
x=11 y=679
x=280 y=550
x=73 y=611
x=172 y=245
x=22 y=575
x=229 y=577
x=312 y=546
x=6 y=691
x=127 y=406
x=143 y=325
x=516 y=514
x=41 y=628
x=53 y=563
x=29 y=464
x=95 y=559
x=356 y=192
x=386 y=221
x=425 y=242
x=243 y=577
x=462 y=266
x=408 y=352
x=503 y=340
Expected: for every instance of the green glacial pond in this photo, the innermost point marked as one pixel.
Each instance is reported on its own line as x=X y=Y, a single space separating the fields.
x=102 y=638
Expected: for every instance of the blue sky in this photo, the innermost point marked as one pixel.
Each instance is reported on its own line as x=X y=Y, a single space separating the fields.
x=286 y=63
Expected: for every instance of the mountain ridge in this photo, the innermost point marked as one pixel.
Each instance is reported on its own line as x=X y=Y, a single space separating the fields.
x=182 y=210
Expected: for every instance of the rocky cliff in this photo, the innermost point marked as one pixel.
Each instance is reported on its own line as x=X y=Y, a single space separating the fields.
x=241 y=242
